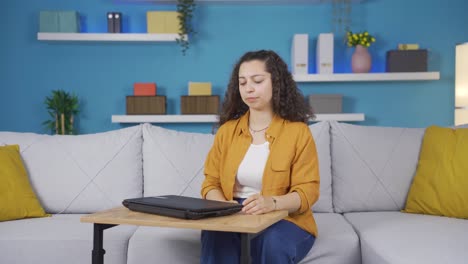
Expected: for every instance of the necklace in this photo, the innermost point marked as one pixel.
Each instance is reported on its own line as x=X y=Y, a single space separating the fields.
x=256 y=131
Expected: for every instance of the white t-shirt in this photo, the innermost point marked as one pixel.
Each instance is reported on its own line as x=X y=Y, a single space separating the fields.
x=250 y=173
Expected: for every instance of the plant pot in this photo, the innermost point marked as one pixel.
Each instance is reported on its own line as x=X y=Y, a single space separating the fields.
x=361 y=60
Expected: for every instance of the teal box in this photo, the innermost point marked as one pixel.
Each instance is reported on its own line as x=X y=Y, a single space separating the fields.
x=69 y=21
x=59 y=21
x=48 y=21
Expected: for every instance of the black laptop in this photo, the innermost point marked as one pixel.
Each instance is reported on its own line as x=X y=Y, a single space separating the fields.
x=181 y=206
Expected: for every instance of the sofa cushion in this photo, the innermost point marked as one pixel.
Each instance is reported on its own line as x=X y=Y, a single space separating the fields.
x=336 y=242
x=59 y=239
x=84 y=173
x=372 y=167
x=173 y=161
x=441 y=182
x=321 y=134
x=395 y=237
x=17 y=198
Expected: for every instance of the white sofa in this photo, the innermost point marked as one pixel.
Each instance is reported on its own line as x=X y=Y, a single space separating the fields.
x=365 y=172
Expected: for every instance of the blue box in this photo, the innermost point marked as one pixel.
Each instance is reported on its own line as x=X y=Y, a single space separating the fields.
x=59 y=21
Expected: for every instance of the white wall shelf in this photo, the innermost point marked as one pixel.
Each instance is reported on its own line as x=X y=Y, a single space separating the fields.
x=138 y=37
x=368 y=77
x=279 y=2
x=214 y=118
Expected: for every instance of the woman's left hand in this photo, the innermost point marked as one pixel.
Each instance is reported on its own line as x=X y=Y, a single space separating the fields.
x=258 y=204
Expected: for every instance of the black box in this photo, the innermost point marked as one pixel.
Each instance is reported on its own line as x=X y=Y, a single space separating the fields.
x=407 y=61
x=114 y=22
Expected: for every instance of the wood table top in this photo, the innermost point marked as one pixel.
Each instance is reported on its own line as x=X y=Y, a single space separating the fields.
x=239 y=222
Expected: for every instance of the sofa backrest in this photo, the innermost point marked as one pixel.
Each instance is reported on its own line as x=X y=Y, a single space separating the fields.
x=82 y=173
x=321 y=134
x=372 y=167
x=174 y=162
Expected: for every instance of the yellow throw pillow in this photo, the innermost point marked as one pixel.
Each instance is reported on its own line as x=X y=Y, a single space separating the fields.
x=440 y=186
x=17 y=199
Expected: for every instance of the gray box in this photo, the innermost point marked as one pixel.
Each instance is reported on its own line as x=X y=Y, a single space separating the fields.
x=407 y=61
x=326 y=103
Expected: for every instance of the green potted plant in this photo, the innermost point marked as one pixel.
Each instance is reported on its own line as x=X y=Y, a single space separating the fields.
x=185 y=9
x=62 y=108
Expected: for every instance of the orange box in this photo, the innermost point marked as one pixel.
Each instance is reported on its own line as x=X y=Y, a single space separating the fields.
x=144 y=89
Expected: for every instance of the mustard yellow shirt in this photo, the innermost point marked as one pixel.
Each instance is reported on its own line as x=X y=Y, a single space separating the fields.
x=292 y=165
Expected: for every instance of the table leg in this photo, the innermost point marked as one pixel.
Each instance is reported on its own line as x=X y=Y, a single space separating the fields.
x=98 y=251
x=245 y=248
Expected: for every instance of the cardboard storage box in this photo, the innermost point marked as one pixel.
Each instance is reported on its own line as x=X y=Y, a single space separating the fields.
x=144 y=89
x=162 y=22
x=146 y=105
x=199 y=88
x=326 y=103
x=199 y=104
x=59 y=21
x=407 y=61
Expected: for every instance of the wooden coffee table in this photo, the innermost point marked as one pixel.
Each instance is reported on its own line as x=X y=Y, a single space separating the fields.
x=247 y=225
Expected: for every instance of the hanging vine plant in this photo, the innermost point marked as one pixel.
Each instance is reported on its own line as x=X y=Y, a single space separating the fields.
x=185 y=9
x=342 y=10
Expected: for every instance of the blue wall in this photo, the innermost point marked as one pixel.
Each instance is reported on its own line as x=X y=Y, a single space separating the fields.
x=102 y=74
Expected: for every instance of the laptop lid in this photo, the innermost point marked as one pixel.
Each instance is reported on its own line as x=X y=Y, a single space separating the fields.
x=185 y=203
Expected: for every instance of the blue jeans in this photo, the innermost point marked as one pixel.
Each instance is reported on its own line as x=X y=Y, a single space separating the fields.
x=282 y=243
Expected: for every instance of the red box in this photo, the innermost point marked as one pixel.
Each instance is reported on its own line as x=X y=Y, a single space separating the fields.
x=144 y=89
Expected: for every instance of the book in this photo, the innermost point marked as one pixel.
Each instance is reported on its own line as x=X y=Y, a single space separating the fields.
x=408 y=46
x=110 y=22
x=117 y=22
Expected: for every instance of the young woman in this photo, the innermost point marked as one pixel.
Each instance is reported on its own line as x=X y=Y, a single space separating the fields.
x=263 y=157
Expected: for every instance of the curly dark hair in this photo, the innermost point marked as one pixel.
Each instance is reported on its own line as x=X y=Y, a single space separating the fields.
x=288 y=101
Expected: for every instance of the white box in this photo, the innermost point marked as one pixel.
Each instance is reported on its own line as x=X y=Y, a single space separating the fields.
x=300 y=54
x=325 y=53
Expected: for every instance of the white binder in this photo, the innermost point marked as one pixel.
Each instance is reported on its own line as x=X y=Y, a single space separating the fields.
x=325 y=53
x=300 y=54
x=461 y=84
